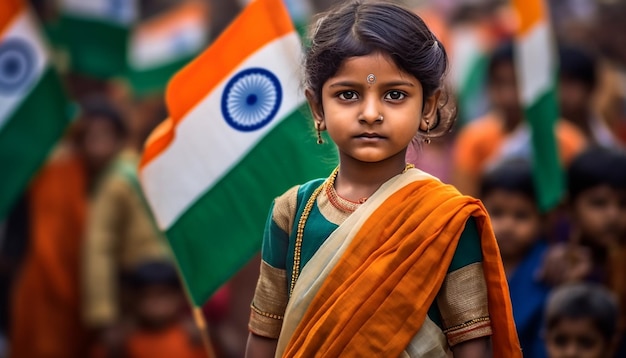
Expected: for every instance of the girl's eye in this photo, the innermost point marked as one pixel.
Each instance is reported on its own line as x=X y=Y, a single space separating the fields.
x=395 y=95
x=348 y=95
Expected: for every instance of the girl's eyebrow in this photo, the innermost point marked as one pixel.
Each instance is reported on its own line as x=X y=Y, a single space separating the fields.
x=357 y=84
x=346 y=84
x=397 y=83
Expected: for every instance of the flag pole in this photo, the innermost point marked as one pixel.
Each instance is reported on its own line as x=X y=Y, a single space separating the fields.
x=198 y=317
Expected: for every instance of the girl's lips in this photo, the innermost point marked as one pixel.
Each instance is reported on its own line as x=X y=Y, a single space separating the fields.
x=370 y=135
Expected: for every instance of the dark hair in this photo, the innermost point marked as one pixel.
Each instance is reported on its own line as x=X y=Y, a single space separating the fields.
x=153 y=273
x=513 y=175
x=596 y=166
x=577 y=64
x=99 y=107
x=361 y=28
x=502 y=54
x=580 y=301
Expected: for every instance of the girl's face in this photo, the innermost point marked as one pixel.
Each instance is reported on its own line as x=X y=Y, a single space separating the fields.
x=351 y=108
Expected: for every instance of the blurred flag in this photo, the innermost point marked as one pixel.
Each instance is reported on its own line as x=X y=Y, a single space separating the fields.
x=300 y=12
x=96 y=34
x=537 y=73
x=469 y=60
x=236 y=138
x=162 y=45
x=33 y=109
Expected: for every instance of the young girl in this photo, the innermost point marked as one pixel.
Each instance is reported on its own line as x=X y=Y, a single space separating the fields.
x=380 y=259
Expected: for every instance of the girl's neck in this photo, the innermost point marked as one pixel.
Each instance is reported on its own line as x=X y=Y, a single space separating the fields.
x=359 y=180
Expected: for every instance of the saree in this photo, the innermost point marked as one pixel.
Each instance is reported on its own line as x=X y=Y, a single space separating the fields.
x=365 y=293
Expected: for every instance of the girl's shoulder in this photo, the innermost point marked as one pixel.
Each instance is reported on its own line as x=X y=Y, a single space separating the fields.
x=286 y=205
x=298 y=192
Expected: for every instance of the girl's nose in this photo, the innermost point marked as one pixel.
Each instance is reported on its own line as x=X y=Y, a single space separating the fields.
x=371 y=111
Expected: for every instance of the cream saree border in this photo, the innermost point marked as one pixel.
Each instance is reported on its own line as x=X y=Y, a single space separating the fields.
x=429 y=342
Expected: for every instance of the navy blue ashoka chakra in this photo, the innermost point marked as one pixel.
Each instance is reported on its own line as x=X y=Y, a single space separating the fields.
x=17 y=66
x=251 y=99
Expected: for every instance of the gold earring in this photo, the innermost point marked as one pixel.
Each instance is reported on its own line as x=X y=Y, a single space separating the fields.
x=427 y=136
x=319 y=133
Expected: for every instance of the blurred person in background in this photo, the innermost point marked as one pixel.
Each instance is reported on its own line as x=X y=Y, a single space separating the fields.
x=13 y=244
x=502 y=133
x=477 y=27
x=508 y=193
x=581 y=322
x=469 y=29
x=46 y=295
x=596 y=251
x=158 y=323
x=572 y=20
x=577 y=85
x=121 y=232
x=610 y=37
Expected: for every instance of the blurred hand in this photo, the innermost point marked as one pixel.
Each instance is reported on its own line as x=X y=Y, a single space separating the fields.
x=565 y=263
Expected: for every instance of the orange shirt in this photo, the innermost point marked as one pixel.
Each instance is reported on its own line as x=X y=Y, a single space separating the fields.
x=481 y=140
x=174 y=341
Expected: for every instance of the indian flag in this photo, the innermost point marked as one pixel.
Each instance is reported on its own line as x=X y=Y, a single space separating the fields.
x=33 y=109
x=537 y=72
x=162 y=45
x=96 y=33
x=236 y=138
x=469 y=61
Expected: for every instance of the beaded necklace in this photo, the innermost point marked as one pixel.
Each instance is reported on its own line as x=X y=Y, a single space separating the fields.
x=329 y=184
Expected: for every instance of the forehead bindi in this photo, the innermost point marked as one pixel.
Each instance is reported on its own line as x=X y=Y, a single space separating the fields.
x=370 y=70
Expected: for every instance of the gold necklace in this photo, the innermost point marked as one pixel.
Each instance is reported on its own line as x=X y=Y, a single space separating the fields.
x=304 y=217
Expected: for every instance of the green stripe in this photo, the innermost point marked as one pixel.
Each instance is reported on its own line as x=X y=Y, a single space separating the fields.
x=29 y=135
x=224 y=228
x=96 y=48
x=154 y=80
x=547 y=168
x=472 y=91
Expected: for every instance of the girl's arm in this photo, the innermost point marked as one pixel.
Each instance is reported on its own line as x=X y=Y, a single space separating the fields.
x=260 y=347
x=475 y=348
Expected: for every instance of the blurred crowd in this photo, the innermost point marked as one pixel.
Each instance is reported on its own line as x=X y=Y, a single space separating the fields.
x=85 y=273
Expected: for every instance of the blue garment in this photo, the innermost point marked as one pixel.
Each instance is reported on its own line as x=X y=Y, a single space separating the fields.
x=528 y=297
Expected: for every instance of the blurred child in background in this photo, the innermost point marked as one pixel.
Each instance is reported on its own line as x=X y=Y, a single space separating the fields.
x=581 y=322
x=157 y=324
x=509 y=196
x=596 y=250
x=46 y=296
x=503 y=133
x=577 y=85
x=120 y=233
x=597 y=198
x=597 y=191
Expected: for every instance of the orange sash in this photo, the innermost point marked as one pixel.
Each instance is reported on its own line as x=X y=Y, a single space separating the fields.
x=377 y=296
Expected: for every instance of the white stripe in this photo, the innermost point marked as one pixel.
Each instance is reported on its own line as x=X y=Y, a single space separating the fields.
x=122 y=12
x=536 y=59
x=24 y=28
x=149 y=50
x=466 y=50
x=205 y=147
